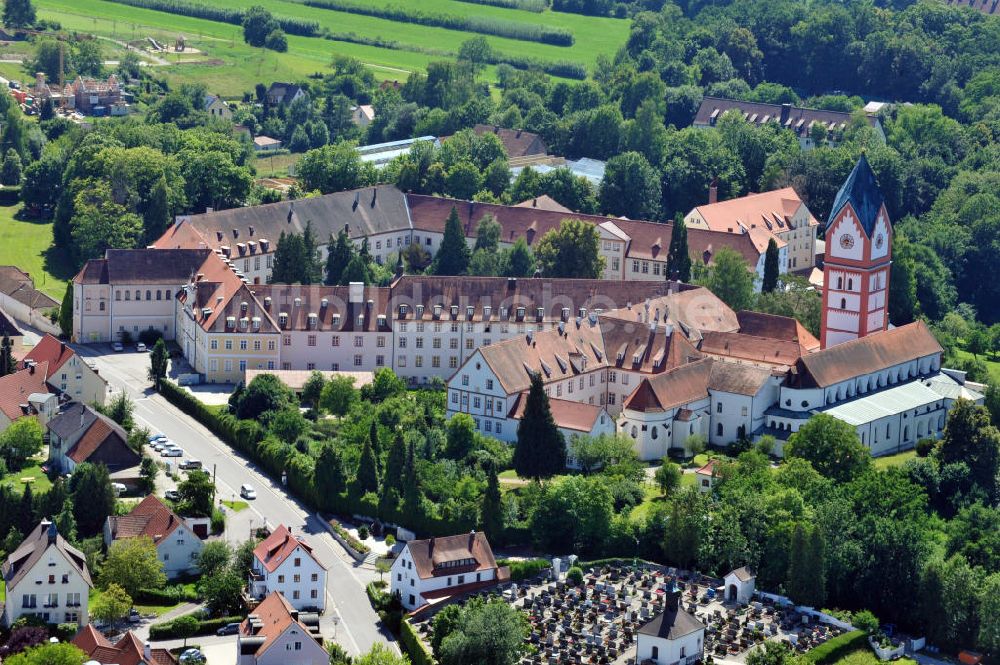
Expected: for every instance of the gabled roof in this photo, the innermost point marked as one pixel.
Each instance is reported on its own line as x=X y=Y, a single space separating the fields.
x=778 y=327
x=150 y=518
x=33 y=548
x=866 y=355
x=106 y=442
x=128 y=650
x=862 y=192
x=516 y=142
x=142 y=266
x=737 y=378
x=51 y=350
x=544 y=202
x=795 y=118
x=268 y=622
x=15 y=388
x=708 y=469
x=770 y=212
x=578 y=416
x=276 y=548
x=673 y=624
x=18 y=285
x=743 y=574
x=751 y=348
x=471 y=549
x=677 y=387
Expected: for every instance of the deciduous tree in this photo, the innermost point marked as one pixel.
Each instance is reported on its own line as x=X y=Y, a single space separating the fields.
x=831 y=446
x=572 y=250
x=132 y=564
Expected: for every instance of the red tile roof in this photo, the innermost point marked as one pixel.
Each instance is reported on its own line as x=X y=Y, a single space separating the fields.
x=763 y=350
x=544 y=202
x=866 y=355
x=150 y=518
x=471 y=550
x=516 y=142
x=52 y=351
x=578 y=416
x=276 y=548
x=129 y=650
x=106 y=442
x=708 y=469
x=275 y=615
x=15 y=388
x=681 y=385
x=768 y=211
x=777 y=327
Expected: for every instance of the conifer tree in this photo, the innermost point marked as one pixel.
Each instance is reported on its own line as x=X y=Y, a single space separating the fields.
x=367 y=477
x=66 y=522
x=678 y=257
x=453 y=255
x=289 y=257
x=541 y=448
x=806 y=583
x=376 y=445
x=26 y=511
x=395 y=465
x=340 y=252
x=491 y=513
x=330 y=481
x=66 y=312
x=411 y=484
x=771 y=268
x=157 y=216
x=357 y=270
x=312 y=267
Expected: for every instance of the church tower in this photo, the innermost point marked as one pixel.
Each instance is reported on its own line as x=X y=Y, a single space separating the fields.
x=858 y=258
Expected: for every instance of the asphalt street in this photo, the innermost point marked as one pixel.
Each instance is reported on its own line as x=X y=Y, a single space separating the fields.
x=349 y=618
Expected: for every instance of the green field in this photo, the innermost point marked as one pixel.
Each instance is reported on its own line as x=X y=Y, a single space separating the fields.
x=27 y=244
x=40 y=483
x=230 y=67
x=898 y=459
x=993 y=365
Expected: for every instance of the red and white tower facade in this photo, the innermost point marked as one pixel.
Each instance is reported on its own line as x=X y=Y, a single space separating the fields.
x=858 y=260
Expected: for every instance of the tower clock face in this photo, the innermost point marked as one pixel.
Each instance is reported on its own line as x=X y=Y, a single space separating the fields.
x=847 y=241
x=879 y=241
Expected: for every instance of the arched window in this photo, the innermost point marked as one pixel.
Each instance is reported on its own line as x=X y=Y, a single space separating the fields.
x=840 y=282
x=635 y=432
x=149 y=294
x=655 y=433
x=158 y=294
x=718 y=432
x=850 y=284
x=138 y=295
x=127 y=294
x=906 y=433
x=843 y=303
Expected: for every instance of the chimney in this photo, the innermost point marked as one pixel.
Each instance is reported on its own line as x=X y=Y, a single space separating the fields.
x=534 y=202
x=31 y=369
x=713 y=191
x=356 y=292
x=62 y=348
x=511 y=283
x=147 y=652
x=347 y=229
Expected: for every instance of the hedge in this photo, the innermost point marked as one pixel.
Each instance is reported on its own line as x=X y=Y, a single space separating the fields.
x=835 y=649
x=536 y=6
x=523 y=570
x=412 y=646
x=166 y=630
x=290 y=24
x=531 y=32
x=166 y=596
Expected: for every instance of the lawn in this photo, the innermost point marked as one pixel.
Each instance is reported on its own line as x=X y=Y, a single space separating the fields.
x=236 y=506
x=39 y=481
x=27 y=244
x=158 y=610
x=993 y=365
x=229 y=67
x=865 y=656
x=889 y=461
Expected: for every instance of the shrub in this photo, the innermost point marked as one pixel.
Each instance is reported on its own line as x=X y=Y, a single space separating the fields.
x=925 y=447
x=363 y=532
x=390 y=540
x=168 y=631
x=522 y=570
x=218 y=521
x=353 y=542
x=837 y=648
x=413 y=646
x=575 y=576
x=866 y=621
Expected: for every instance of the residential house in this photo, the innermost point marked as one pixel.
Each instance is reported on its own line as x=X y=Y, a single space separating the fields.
x=127 y=650
x=266 y=144
x=283 y=93
x=26 y=393
x=516 y=142
x=79 y=434
x=95 y=97
x=276 y=633
x=20 y=299
x=778 y=215
x=177 y=545
x=433 y=570
x=68 y=373
x=217 y=107
x=48 y=578
x=9 y=329
x=706 y=476
x=672 y=637
x=811 y=126
x=286 y=564
x=362 y=115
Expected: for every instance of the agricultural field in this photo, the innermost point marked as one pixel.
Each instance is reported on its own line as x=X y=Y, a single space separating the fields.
x=230 y=67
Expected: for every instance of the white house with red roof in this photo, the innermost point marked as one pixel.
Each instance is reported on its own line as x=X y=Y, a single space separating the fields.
x=433 y=570
x=26 y=393
x=706 y=475
x=284 y=562
x=128 y=650
x=276 y=633
x=177 y=546
x=68 y=373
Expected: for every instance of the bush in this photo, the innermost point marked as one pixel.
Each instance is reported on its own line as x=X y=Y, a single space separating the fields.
x=575 y=576
x=363 y=533
x=413 y=646
x=10 y=195
x=149 y=336
x=866 y=621
x=832 y=651
x=390 y=540
x=218 y=521
x=925 y=447
x=169 y=595
x=353 y=542
x=523 y=570
x=167 y=630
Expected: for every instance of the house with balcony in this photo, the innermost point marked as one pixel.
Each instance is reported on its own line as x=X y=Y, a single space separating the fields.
x=285 y=563
x=48 y=578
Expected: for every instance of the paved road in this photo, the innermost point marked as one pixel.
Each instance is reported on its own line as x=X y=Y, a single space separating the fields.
x=349 y=615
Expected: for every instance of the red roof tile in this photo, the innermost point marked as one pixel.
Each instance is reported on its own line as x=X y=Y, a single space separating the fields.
x=129 y=650
x=52 y=351
x=15 y=389
x=472 y=550
x=276 y=548
x=578 y=416
x=150 y=518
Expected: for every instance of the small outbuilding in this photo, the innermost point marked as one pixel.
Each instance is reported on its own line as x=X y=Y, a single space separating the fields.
x=740 y=586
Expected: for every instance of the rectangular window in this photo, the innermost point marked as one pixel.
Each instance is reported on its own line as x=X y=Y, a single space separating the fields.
x=379 y=361
x=454 y=398
x=336 y=340
x=476 y=402
x=380 y=342
x=465 y=380
x=418 y=361
x=228 y=365
x=214 y=344
x=453 y=343
x=359 y=341
x=468 y=344
x=357 y=360
x=286 y=340
x=436 y=361
x=718 y=407
x=310 y=366
x=402 y=342
x=436 y=343
x=256 y=345
x=270 y=345
x=229 y=345
x=243 y=345
x=453 y=362
x=311 y=340
x=420 y=342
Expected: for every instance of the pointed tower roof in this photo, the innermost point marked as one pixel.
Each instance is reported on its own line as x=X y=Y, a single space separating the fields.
x=861 y=190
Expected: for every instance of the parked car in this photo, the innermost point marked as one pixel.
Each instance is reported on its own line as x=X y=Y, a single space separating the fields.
x=192 y=656
x=189 y=464
x=140 y=347
x=248 y=492
x=172 y=452
x=157 y=437
x=172 y=495
x=161 y=444
x=117 y=347
x=229 y=629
